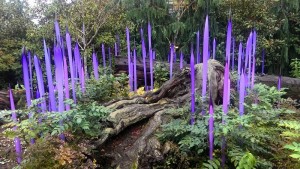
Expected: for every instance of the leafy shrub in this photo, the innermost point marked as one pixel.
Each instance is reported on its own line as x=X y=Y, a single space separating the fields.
x=106 y=88
x=86 y=120
x=52 y=153
x=252 y=140
x=295 y=66
x=161 y=74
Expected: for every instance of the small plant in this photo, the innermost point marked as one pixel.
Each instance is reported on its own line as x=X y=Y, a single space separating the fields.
x=161 y=74
x=295 y=66
x=106 y=88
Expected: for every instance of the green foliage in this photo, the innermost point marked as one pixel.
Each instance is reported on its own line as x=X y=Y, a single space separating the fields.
x=188 y=137
x=295 y=147
x=107 y=87
x=248 y=161
x=211 y=164
x=292 y=133
x=295 y=65
x=161 y=74
x=86 y=120
x=252 y=139
x=52 y=153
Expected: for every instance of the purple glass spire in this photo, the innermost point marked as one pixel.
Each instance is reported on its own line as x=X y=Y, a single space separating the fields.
x=66 y=81
x=30 y=72
x=49 y=79
x=232 y=60
x=211 y=129
x=15 y=120
x=205 y=60
x=171 y=60
x=253 y=73
x=228 y=42
x=59 y=71
x=151 y=71
x=242 y=93
x=57 y=32
x=279 y=83
x=26 y=79
x=192 y=64
x=78 y=65
x=116 y=49
x=197 y=47
x=40 y=81
x=240 y=58
x=214 y=49
x=95 y=66
x=129 y=60
x=134 y=70
x=225 y=89
x=144 y=58
x=69 y=47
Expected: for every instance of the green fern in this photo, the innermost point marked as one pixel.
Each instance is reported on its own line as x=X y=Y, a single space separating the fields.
x=248 y=161
x=211 y=164
x=295 y=147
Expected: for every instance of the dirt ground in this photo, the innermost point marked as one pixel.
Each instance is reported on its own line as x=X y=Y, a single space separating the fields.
x=6 y=152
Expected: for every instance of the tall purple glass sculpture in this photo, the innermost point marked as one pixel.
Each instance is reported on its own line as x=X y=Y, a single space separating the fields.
x=279 y=83
x=15 y=120
x=26 y=80
x=214 y=48
x=57 y=33
x=59 y=77
x=59 y=71
x=144 y=58
x=79 y=65
x=40 y=81
x=242 y=93
x=66 y=81
x=49 y=79
x=134 y=70
x=30 y=72
x=192 y=67
x=240 y=58
x=171 y=60
x=95 y=66
x=250 y=59
x=232 y=60
x=253 y=73
x=197 y=47
x=69 y=47
x=151 y=71
x=211 y=128
x=205 y=60
x=129 y=60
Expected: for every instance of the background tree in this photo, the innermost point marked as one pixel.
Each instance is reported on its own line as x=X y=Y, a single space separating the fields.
x=14 y=21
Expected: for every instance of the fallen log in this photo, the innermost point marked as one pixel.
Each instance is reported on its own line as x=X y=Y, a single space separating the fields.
x=130 y=137
x=292 y=84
